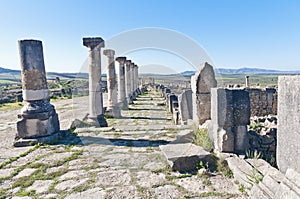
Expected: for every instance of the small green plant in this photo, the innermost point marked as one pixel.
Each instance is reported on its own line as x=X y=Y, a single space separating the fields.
x=223 y=168
x=253 y=154
x=255 y=126
x=200 y=165
x=201 y=139
x=26 y=193
x=254 y=177
x=242 y=188
x=206 y=181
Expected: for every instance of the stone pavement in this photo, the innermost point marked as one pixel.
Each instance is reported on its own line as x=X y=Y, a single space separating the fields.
x=119 y=161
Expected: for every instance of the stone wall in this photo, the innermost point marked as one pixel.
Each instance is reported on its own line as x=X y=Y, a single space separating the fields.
x=263 y=101
x=230 y=115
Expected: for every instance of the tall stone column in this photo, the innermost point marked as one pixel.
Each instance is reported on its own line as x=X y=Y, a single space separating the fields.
x=121 y=83
x=136 y=76
x=113 y=108
x=128 y=81
x=96 y=111
x=132 y=66
x=38 y=120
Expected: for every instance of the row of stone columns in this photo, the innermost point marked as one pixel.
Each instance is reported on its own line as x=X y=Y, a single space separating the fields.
x=38 y=120
x=128 y=81
x=118 y=97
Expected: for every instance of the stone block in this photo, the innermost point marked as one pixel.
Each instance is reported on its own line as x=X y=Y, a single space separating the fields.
x=201 y=84
x=185 y=157
x=230 y=114
x=185 y=106
x=288 y=131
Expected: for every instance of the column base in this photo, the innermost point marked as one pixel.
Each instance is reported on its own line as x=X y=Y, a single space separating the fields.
x=130 y=100
x=113 y=112
x=98 y=121
x=51 y=139
x=37 y=126
x=123 y=105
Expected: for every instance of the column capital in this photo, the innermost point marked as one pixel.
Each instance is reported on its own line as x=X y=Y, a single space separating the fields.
x=128 y=62
x=121 y=59
x=93 y=42
x=132 y=64
x=109 y=52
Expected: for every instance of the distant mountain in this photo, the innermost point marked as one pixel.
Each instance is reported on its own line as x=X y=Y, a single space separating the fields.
x=50 y=75
x=189 y=72
x=6 y=70
x=246 y=71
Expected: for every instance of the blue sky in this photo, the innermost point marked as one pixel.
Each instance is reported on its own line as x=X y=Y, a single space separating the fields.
x=234 y=33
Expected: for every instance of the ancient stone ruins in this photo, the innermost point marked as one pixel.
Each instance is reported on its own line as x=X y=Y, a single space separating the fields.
x=137 y=138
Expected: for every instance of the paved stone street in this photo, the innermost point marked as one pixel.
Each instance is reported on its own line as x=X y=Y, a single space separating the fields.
x=119 y=161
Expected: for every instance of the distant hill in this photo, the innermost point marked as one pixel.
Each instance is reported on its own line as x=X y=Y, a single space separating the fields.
x=5 y=72
x=246 y=71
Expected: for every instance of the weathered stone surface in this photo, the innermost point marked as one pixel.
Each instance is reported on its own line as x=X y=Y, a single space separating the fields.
x=170 y=101
x=40 y=186
x=5 y=172
x=73 y=174
x=185 y=157
x=112 y=89
x=113 y=178
x=95 y=193
x=38 y=117
x=185 y=106
x=25 y=173
x=201 y=83
x=241 y=170
x=33 y=68
x=121 y=83
x=288 y=132
x=70 y=184
x=96 y=110
x=130 y=164
x=230 y=115
x=128 y=77
x=166 y=191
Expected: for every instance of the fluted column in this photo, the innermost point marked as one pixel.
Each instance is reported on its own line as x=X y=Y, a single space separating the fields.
x=112 y=91
x=96 y=111
x=121 y=83
x=128 y=81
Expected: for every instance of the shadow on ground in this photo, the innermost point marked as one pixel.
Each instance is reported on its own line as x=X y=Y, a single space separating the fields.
x=146 y=118
x=69 y=138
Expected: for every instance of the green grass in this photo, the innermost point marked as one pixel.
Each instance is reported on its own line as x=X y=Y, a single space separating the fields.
x=11 y=106
x=201 y=139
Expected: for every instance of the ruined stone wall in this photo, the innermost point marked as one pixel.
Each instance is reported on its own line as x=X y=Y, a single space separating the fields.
x=263 y=102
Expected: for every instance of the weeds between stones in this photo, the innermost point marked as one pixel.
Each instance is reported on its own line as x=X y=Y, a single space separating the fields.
x=201 y=139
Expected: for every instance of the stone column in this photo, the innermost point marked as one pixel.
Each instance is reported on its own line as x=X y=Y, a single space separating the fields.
x=96 y=111
x=113 y=108
x=136 y=78
x=121 y=83
x=247 y=81
x=132 y=80
x=38 y=120
x=128 y=81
